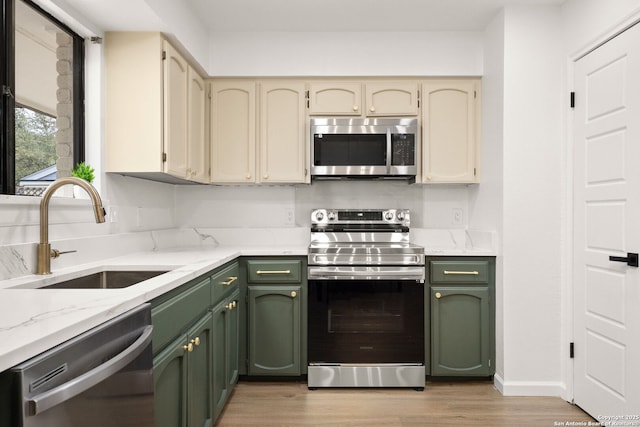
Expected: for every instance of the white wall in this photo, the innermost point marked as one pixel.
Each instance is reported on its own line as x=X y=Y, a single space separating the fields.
x=346 y=54
x=532 y=201
x=587 y=23
x=485 y=199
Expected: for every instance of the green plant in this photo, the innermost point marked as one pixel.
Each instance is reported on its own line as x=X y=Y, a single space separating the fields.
x=84 y=171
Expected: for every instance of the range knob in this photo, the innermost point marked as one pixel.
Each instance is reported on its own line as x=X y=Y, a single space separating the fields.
x=388 y=215
x=331 y=216
x=400 y=215
x=319 y=215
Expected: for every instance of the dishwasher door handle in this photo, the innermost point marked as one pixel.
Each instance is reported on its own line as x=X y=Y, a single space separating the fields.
x=70 y=389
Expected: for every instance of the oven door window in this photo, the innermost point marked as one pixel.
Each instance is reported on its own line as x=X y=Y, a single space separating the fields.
x=363 y=321
x=349 y=149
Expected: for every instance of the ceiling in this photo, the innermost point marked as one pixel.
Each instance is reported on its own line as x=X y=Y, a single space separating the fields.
x=307 y=15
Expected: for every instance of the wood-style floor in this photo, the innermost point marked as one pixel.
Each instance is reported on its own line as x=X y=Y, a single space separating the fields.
x=440 y=404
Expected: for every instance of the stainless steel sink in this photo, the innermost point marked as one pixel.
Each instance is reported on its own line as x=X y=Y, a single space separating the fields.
x=105 y=280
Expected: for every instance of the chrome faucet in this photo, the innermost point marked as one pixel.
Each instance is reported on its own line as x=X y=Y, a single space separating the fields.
x=45 y=253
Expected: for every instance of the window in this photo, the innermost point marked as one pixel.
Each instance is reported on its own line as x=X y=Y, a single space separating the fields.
x=42 y=108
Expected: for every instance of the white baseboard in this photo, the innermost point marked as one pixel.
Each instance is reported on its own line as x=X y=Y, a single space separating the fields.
x=530 y=388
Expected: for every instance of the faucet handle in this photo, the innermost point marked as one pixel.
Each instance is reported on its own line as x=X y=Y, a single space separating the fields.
x=56 y=253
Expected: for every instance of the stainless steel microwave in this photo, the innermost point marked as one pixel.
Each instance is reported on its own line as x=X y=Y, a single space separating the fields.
x=364 y=148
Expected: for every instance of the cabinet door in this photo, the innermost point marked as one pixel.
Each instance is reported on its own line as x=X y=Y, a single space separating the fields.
x=220 y=339
x=175 y=112
x=335 y=99
x=392 y=99
x=197 y=147
x=274 y=330
x=233 y=132
x=170 y=385
x=460 y=330
x=233 y=353
x=199 y=368
x=282 y=133
x=450 y=131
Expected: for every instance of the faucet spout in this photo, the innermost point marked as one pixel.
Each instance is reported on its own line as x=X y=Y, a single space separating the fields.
x=44 y=248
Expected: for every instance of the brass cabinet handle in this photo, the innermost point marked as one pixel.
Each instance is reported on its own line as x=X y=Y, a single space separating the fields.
x=294 y=294
x=196 y=341
x=234 y=304
x=438 y=295
x=273 y=272
x=228 y=306
x=230 y=281
x=188 y=347
x=468 y=273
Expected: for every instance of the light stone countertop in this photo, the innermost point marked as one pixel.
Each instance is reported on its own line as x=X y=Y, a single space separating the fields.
x=34 y=320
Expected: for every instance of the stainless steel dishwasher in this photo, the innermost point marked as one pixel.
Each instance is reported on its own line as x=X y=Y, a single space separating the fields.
x=100 y=378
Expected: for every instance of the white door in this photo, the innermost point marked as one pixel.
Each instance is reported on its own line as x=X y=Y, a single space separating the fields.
x=607 y=223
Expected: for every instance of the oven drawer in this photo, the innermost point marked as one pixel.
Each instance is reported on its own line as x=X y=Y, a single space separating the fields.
x=459 y=271
x=274 y=271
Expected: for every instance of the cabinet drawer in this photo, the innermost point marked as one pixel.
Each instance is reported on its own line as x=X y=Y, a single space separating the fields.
x=274 y=271
x=224 y=282
x=173 y=317
x=459 y=271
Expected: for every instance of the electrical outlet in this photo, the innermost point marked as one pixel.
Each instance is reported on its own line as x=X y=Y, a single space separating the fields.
x=457 y=216
x=289 y=217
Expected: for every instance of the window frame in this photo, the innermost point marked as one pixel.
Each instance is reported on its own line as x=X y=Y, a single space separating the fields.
x=8 y=104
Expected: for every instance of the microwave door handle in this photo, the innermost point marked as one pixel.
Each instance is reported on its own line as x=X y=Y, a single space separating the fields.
x=389 y=150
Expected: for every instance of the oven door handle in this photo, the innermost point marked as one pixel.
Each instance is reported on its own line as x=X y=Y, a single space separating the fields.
x=355 y=273
x=74 y=387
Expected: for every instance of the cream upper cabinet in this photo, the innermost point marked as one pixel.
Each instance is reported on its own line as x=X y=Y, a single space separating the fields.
x=335 y=99
x=198 y=143
x=450 y=130
x=282 y=133
x=391 y=99
x=175 y=111
x=233 y=131
x=151 y=120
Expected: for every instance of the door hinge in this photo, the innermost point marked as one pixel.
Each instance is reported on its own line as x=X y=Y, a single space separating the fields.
x=571 y=353
x=164 y=157
x=572 y=100
x=164 y=55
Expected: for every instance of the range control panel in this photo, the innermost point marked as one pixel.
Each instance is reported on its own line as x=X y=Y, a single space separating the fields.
x=325 y=217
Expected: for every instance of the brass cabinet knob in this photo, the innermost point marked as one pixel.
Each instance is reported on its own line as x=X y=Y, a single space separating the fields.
x=438 y=295
x=248 y=176
x=188 y=347
x=294 y=294
x=196 y=341
x=265 y=176
x=356 y=108
x=228 y=306
x=234 y=304
x=372 y=109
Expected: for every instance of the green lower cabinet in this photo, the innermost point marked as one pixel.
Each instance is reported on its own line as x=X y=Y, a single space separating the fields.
x=182 y=379
x=274 y=328
x=226 y=318
x=460 y=331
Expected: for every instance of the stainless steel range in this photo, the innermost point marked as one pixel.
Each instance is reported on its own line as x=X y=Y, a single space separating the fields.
x=366 y=300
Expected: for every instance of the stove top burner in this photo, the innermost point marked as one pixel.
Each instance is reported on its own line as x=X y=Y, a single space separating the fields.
x=366 y=237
